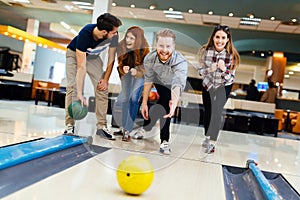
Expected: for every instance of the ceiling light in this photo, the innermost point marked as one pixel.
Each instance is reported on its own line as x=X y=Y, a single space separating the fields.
x=286 y=76
x=87 y=7
x=278 y=54
x=250 y=21
x=132 y=6
x=17 y=33
x=81 y=3
x=272 y=18
x=190 y=11
x=250 y=16
x=291 y=72
x=152 y=7
x=294 y=20
x=171 y=9
x=210 y=12
x=73 y=31
x=230 y=14
x=22 y=1
x=173 y=14
x=65 y=25
x=113 y=4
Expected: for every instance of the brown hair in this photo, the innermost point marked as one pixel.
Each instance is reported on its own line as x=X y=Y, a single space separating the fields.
x=229 y=46
x=140 y=49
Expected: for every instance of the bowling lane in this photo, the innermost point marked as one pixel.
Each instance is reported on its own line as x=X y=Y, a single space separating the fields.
x=22 y=121
x=96 y=179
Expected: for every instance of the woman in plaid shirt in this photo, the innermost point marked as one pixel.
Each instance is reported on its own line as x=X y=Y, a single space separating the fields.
x=218 y=62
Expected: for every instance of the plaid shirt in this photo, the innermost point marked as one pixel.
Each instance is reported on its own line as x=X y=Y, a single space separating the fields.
x=217 y=78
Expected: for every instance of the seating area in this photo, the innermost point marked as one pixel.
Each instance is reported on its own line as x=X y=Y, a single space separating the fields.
x=289 y=121
x=295 y=124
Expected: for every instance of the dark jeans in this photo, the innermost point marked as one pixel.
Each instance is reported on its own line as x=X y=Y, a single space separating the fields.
x=158 y=110
x=213 y=102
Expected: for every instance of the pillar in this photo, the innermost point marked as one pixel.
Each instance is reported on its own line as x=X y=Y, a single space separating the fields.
x=276 y=65
x=29 y=48
x=100 y=7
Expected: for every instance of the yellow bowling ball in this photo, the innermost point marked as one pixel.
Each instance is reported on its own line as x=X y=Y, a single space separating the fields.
x=135 y=175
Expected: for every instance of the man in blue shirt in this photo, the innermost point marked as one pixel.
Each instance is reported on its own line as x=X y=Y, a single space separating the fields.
x=83 y=57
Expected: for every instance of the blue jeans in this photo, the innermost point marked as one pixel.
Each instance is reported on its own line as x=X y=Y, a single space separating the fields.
x=131 y=93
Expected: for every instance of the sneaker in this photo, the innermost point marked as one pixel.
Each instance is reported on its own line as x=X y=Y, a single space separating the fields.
x=119 y=132
x=210 y=149
x=165 y=148
x=69 y=130
x=126 y=136
x=139 y=134
x=104 y=133
x=205 y=143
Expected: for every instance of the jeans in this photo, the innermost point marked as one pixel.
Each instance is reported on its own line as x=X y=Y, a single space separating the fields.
x=131 y=92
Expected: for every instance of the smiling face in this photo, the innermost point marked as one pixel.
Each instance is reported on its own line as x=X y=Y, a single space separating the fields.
x=164 y=48
x=130 y=40
x=220 y=40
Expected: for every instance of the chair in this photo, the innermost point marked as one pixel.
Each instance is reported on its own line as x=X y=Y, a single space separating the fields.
x=280 y=115
x=295 y=123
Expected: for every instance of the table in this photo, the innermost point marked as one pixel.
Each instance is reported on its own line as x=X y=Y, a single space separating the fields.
x=41 y=90
x=261 y=124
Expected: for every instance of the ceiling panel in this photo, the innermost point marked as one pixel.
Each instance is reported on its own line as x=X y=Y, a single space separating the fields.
x=268 y=25
x=286 y=28
x=232 y=22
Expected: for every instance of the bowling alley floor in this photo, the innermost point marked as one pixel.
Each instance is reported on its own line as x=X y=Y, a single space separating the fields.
x=187 y=173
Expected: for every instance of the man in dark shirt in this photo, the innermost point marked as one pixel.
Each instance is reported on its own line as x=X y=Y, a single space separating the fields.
x=83 y=57
x=252 y=92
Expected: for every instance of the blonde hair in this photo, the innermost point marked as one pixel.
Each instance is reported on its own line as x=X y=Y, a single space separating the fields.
x=165 y=33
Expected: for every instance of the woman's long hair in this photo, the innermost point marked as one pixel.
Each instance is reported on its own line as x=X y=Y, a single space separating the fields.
x=140 y=49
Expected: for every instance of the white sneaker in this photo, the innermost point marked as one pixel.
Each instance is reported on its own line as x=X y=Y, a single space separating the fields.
x=70 y=130
x=139 y=134
x=165 y=148
x=205 y=143
x=126 y=136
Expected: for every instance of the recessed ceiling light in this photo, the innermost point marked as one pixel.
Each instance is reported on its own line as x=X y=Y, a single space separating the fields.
x=132 y=6
x=250 y=16
x=262 y=54
x=230 y=14
x=272 y=18
x=190 y=11
x=210 y=12
x=294 y=20
x=152 y=7
x=113 y=4
x=171 y=9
